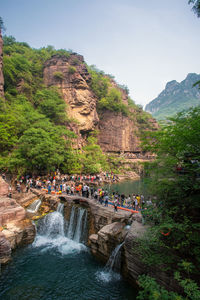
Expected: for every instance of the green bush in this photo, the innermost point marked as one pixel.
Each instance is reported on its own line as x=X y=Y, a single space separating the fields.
x=58 y=75
x=71 y=70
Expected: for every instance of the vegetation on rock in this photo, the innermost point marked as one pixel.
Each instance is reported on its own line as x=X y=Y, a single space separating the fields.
x=33 y=118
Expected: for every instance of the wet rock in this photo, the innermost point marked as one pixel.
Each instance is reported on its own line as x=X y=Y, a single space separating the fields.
x=104 y=242
x=5 y=249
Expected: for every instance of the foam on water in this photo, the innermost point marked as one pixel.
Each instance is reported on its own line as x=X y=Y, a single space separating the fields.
x=107 y=276
x=51 y=234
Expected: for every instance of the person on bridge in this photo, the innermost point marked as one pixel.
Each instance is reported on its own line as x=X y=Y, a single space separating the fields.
x=115 y=204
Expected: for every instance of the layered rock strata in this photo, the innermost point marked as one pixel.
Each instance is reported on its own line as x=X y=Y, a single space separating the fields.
x=74 y=85
x=117 y=132
x=15 y=228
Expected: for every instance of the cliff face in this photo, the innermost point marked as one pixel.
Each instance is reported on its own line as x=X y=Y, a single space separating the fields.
x=117 y=132
x=74 y=84
x=175 y=97
x=1 y=67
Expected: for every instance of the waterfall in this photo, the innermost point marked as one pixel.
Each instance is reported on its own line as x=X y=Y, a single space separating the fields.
x=33 y=207
x=114 y=261
x=79 y=225
x=113 y=266
x=51 y=233
x=77 y=229
x=70 y=232
x=52 y=225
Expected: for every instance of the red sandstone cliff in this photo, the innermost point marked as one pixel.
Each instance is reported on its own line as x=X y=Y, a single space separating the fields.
x=117 y=133
x=74 y=85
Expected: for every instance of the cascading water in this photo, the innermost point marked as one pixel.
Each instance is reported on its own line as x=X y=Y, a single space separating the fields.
x=77 y=224
x=114 y=262
x=33 y=207
x=70 y=232
x=57 y=267
x=113 y=266
x=80 y=225
x=51 y=231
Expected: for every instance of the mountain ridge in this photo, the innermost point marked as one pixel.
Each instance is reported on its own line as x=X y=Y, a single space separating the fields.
x=176 y=97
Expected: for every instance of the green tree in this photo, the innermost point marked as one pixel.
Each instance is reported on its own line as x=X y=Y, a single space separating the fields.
x=92 y=157
x=195 y=7
x=51 y=104
x=174 y=181
x=38 y=151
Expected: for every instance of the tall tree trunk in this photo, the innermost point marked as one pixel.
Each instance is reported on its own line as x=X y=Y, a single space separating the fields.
x=1 y=67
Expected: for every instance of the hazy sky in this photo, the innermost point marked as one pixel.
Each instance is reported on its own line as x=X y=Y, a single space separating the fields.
x=143 y=43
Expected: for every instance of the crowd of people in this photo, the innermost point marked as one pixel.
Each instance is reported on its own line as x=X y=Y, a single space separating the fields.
x=88 y=186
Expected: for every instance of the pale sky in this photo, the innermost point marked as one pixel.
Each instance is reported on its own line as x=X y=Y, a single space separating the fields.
x=143 y=43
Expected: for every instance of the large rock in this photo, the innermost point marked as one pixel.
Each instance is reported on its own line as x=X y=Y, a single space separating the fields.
x=22 y=234
x=16 y=229
x=104 y=242
x=75 y=90
x=117 y=132
x=10 y=211
x=5 y=249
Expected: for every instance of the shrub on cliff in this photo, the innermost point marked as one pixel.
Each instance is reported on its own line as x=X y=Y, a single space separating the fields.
x=50 y=103
x=71 y=70
x=113 y=102
x=109 y=97
x=58 y=75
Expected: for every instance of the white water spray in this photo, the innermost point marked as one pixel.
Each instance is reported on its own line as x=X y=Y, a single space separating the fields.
x=51 y=234
x=33 y=207
x=113 y=265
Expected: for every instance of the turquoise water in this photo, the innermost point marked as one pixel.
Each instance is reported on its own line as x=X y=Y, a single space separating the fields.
x=56 y=267
x=34 y=275
x=128 y=187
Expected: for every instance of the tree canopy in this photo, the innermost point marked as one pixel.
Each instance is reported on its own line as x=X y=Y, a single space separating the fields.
x=173 y=240
x=195 y=7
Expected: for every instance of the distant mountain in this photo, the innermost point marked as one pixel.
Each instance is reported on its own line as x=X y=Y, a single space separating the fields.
x=175 y=97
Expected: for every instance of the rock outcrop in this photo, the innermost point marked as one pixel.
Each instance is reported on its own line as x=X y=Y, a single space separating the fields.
x=71 y=76
x=103 y=243
x=15 y=228
x=1 y=67
x=5 y=249
x=117 y=132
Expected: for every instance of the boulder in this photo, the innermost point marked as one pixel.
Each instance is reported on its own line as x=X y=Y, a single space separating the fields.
x=104 y=242
x=10 y=211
